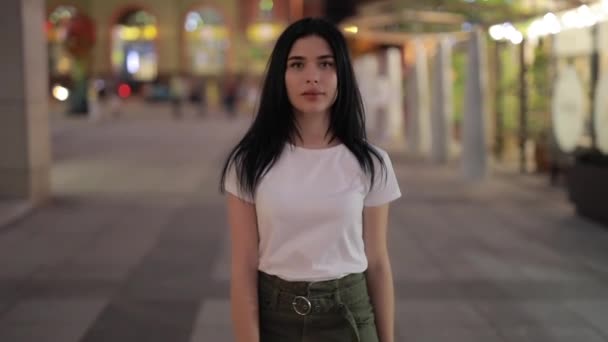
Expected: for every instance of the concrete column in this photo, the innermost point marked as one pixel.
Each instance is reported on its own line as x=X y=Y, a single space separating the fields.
x=381 y=87
x=101 y=50
x=474 y=147
x=441 y=115
x=394 y=122
x=168 y=46
x=24 y=122
x=418 y=128
x=410 y=105
x=296 y=9
x=366 y=69
x=314 y=8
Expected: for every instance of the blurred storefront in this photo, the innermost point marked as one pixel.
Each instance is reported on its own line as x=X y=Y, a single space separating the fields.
x=146 y=42
x=534 y=72
x=558 y=60
x=564 y=68
x=528 y=43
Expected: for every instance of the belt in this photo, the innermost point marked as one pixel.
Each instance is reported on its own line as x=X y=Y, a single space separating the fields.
x=305 y=298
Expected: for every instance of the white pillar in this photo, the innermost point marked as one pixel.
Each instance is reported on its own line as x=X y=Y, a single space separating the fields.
x=474 y=153
x=366 y=69
x=24 y=123
x=419 y=116
x=441 y=115
x=395 y=107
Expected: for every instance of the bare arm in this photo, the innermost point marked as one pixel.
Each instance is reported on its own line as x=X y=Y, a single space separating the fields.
x=379 y=273
x=244 y=268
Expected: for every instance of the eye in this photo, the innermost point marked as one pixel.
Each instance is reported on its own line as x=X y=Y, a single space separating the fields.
x=296 y=65
x=327 y=64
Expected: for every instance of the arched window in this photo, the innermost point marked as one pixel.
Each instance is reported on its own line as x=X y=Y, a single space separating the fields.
x=206 y=38
x=134 y=54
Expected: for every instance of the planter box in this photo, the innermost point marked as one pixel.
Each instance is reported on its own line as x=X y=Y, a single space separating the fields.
x=588 y=190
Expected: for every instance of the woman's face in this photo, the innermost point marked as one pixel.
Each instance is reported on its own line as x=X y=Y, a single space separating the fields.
x=310 y=76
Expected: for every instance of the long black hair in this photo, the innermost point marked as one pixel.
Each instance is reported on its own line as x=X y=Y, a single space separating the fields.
x=275 y=122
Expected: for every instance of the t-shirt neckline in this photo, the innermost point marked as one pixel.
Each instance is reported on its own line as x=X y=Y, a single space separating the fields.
x=317 y=150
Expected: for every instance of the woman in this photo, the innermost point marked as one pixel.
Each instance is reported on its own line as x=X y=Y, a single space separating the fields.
x=308 y=203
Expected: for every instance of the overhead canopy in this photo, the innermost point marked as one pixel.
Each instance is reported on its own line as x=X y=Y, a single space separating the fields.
x=393 y=21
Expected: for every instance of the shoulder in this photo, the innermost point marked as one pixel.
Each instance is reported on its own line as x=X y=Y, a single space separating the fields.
x=381 y=152
x=371 y=145
x=378 y=149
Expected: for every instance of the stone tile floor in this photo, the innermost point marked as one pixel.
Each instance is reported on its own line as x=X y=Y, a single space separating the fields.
x=134 y=247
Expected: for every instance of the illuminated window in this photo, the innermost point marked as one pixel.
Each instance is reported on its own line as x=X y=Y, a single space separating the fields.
x=134 y=55
x=261 y=36
x=207 y=41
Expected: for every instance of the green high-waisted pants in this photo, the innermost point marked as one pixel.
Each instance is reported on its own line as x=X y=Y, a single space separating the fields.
x=328 y=311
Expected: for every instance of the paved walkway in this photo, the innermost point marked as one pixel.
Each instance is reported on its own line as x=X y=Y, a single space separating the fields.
x=133 y=247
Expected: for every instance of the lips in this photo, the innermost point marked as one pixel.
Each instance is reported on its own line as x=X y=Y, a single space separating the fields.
x=312 y=93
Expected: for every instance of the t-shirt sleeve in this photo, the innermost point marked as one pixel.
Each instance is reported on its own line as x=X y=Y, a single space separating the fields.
x=386 y=188
x=231 y=184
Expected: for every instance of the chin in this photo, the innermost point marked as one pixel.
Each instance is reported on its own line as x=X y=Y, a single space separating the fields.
x=312 y=110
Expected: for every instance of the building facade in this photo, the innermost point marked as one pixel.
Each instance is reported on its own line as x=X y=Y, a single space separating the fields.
x=156 y=38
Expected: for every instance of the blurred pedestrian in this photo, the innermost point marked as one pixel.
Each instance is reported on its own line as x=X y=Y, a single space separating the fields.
x=308 y=201
x=115 y=102
x=93 y=99
x=251 y=95
x=198 y=96
x=177 y=86
x=230 y=93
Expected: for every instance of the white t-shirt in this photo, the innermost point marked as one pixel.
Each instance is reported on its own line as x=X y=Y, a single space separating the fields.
x=310 y=208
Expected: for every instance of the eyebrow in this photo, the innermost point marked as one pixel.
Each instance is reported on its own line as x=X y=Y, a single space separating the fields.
x=302 y=58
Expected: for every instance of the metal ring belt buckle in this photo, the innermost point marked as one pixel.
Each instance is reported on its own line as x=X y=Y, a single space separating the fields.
x=301 y=305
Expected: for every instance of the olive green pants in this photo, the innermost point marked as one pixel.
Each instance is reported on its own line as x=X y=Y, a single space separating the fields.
x=329 y=311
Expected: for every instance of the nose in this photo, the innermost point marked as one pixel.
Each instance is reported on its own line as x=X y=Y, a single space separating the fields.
x=312 y=75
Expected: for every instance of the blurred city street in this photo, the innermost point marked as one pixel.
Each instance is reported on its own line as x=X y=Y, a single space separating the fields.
x=116 y=117
x=133 y=246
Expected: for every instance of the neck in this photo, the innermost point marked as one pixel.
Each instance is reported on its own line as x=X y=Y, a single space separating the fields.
x=313 y=129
